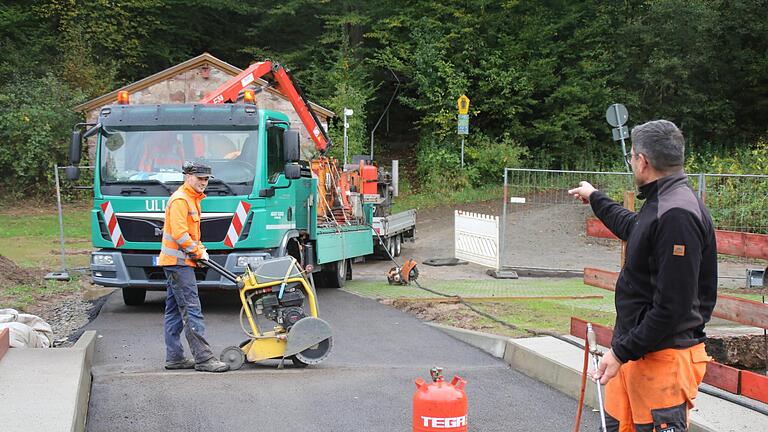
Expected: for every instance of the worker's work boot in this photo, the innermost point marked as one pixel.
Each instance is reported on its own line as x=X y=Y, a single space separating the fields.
x=180 y=364
x=212 y=365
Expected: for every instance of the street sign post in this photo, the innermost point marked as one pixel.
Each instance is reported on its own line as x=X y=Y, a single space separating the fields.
x=463 y=129
x=463 y=124
x=617 y=115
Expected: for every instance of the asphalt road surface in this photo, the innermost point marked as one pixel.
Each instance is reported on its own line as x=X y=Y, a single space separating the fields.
x=367 y=383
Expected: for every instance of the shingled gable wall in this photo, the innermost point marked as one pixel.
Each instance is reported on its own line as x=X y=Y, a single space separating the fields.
x=190 y=85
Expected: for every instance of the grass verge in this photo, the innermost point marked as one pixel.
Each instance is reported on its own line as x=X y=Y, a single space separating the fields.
x=26 y=297
x=533 y=314
x=31 y=239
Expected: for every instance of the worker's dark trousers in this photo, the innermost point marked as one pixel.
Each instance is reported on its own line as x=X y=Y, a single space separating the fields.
x=182 y=311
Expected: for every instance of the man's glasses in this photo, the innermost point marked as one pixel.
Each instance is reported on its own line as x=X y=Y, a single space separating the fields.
x=628 y=157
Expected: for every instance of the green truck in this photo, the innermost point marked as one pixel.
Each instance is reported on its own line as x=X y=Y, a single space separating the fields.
x=261 y=203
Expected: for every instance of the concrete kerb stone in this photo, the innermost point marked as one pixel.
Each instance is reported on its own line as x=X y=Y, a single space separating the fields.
x=46 y=388
x=492 y=344
x=546 y=359
x=86 y=343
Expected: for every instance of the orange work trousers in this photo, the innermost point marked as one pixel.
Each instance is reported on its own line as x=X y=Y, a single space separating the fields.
x=654 y=393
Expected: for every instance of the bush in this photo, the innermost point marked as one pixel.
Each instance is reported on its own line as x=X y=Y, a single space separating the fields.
x=439 y=164
x=439 y=168
x=35 y=125
x=486 y=158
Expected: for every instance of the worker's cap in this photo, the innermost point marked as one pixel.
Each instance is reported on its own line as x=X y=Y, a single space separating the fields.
x=197 y=169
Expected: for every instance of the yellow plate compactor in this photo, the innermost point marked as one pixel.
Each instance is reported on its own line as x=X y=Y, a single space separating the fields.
x=276 y=294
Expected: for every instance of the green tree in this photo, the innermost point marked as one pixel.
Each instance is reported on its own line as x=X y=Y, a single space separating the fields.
x=35 y=125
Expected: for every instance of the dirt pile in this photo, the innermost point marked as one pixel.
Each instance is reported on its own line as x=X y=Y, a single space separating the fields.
x=11 y=274
x=740 y=351
x=454 y=314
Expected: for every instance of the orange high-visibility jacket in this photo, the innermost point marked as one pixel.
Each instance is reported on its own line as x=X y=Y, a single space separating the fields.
x=181 y=231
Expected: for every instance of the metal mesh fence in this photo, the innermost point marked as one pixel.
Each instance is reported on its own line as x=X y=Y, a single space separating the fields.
x=544 y=227
x=736 y=202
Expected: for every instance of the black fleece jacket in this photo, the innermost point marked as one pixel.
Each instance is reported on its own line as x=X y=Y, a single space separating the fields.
x=667 y=289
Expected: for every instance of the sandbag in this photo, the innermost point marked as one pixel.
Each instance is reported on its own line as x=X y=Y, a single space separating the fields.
x=26 y=330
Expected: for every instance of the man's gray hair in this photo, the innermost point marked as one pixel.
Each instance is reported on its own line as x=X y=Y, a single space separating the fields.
x=661 y=142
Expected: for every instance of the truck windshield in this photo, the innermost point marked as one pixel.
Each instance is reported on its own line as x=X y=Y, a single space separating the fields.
x=156 y=156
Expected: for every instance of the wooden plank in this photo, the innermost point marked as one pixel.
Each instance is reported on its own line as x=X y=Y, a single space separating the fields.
x=754 y=386
x=723 y=377
x=595 y=228
x=604 y=334
x=742 y=244
x=497 y=298
x=600 y=278
x=742 y=311
x=5 y=342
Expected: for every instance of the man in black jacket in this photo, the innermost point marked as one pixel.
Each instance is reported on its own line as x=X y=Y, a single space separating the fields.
x=665 y=292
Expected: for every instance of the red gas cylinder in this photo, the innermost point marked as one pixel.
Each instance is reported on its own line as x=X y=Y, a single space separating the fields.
x=440 y=406
x=369 y=177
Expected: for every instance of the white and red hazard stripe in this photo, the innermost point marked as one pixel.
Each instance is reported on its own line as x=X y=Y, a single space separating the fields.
x=112 y=226
x=236 y=227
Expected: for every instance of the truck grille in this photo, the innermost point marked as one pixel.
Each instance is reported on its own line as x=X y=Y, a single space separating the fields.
x=151 y=230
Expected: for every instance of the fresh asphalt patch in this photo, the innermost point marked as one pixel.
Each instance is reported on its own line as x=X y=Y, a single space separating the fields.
x=366 y=384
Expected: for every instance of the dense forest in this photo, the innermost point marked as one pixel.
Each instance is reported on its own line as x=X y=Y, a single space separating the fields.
x=540 y=74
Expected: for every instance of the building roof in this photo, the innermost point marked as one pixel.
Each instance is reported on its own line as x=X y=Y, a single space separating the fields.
x=172 y=71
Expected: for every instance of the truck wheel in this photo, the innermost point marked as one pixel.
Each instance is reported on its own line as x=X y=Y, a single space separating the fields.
x=336 y=274
x=134 y=296
x=398 y=242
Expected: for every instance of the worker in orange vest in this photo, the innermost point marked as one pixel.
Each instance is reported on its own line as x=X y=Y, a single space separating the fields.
x=180 y=253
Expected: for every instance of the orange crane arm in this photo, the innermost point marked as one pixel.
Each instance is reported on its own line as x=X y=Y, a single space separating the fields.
x=267 y=69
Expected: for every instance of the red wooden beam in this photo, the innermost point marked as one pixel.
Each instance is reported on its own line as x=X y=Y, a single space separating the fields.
x=603 y=333
x=5 y=342
x=742 y=244
x=600 y=278
x=742 y=311
x=754 y=386
x=723 y=377
x=595 y=228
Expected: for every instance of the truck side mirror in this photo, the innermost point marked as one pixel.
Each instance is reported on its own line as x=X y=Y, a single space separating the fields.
x=72 y=172
x=75 y=147
x=292 y=171
x=291 y=149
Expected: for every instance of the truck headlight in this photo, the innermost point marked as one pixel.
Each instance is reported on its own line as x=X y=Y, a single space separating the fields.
x=103 y=259
x=249 y=260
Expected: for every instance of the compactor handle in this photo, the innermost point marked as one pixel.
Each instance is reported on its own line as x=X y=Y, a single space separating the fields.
x=222 y=271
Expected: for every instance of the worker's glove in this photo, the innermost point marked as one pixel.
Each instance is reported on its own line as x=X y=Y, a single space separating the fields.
x=204 y=256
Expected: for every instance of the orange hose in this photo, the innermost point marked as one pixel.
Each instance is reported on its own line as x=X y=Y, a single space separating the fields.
x=583 y=386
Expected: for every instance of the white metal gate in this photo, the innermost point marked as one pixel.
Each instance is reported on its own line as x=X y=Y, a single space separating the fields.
x=476 y=238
